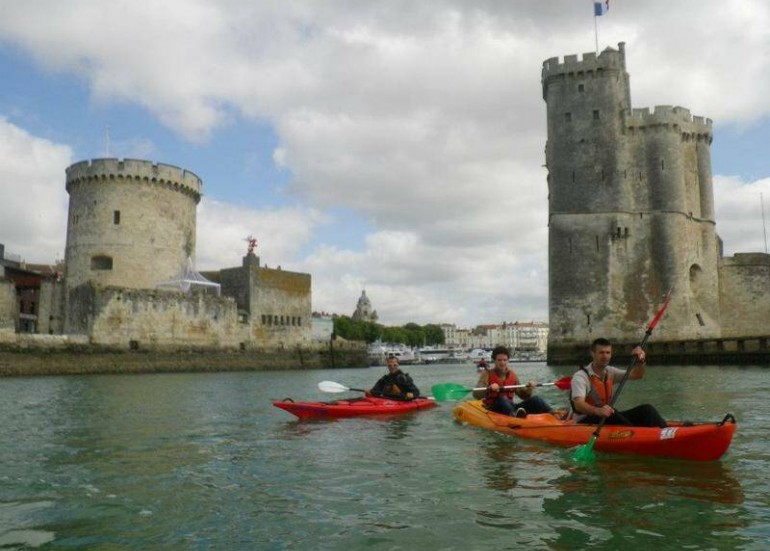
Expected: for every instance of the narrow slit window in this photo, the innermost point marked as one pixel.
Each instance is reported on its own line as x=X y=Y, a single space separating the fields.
x=101 y=262
x=116 y=217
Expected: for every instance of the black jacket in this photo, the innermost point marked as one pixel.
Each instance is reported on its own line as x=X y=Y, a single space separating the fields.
x=395 y=385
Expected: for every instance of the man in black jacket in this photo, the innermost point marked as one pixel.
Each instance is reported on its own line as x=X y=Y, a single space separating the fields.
x=396 y=384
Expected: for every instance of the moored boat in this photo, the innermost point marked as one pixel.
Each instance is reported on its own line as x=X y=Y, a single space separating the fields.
x=368 y=405
x=691 y=441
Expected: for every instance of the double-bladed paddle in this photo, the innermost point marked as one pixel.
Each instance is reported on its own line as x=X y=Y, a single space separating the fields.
x=455 y=391
x=585 y=452
x=331 y=386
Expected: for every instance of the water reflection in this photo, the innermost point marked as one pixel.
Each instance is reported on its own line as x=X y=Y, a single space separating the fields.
x=622 y=498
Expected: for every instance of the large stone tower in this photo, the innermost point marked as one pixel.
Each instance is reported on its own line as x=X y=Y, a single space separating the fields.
x=631 y=211
x=131 y=223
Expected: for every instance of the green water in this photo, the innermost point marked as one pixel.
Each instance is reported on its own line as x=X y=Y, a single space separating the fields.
x=203 y=461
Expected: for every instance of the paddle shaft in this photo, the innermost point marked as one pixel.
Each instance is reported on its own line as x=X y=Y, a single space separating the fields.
x=508 y=387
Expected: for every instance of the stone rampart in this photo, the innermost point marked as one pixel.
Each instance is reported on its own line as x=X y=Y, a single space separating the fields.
x=674 y=118
x=156 y=319
x=104 y=170
x=745 y=302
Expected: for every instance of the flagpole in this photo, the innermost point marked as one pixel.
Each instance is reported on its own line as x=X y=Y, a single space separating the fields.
x=596 y=33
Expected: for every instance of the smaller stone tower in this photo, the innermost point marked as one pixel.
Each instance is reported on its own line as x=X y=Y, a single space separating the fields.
x=364 y=311
x=131 y=223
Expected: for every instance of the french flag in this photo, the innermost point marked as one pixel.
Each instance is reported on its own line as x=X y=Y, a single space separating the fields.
x=600 y=8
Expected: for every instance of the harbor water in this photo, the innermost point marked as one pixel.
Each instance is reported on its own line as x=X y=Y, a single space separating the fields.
x=204 y=461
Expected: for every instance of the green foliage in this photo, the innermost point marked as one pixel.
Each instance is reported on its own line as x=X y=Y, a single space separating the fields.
x=410 y=334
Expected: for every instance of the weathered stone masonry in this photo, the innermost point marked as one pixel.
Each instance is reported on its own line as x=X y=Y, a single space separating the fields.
x=631 y=215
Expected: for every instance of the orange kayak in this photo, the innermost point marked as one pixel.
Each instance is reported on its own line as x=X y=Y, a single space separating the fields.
x=369 y=405
x=692 y=441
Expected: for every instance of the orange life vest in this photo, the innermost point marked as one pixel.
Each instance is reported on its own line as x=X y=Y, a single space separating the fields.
x=601 y=389
x=510 y=379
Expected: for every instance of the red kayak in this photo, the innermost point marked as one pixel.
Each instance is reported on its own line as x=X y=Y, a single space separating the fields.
x=353 y=408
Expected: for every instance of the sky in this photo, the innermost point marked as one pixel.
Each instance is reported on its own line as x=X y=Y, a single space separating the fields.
x=392 y=146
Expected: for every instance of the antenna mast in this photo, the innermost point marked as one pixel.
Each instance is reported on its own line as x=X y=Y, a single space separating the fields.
x=764 y=227
x=107 y=152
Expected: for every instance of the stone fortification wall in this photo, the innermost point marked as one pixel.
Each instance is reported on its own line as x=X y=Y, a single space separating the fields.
x=8 y=307
x=281 y=307
x=131 y=223
x=154 y=319
x=743 y=281
x=51 y=315
x=72 y=358
x=630 y=208
x=278 y=302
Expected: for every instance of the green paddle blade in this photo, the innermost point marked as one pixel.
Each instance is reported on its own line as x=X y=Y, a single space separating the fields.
x=585 y=452
x=449 y=391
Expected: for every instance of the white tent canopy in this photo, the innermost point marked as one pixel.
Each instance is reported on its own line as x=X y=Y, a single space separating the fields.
x=187 y=279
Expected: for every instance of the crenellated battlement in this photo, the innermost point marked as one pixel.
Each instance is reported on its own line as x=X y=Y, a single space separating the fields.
x=590 y=62
x=135 y=169
x=674 y=117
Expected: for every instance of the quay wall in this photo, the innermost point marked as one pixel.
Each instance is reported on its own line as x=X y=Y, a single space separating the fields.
x=722 y=351
x=42 y=356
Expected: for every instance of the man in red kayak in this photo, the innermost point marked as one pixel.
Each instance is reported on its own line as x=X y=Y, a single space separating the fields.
x=499 y=399
x=395 y=384
x=592 y=388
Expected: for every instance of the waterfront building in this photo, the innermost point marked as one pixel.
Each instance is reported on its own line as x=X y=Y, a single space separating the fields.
x=519 y=336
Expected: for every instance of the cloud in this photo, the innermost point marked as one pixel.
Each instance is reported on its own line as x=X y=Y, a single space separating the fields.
x=223 y=229
x=32 y=194
x=741 y=222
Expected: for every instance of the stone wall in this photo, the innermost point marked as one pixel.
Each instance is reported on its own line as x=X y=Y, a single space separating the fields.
x=8 y=308
x=51 y=315
x=73 y=357
x=277 y=302
x=744 y=281
x=156 y=319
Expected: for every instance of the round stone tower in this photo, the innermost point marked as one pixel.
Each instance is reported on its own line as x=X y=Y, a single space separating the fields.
x=131 y=223
x=630 y=209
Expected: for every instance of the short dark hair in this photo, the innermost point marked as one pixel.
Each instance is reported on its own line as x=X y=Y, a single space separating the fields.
x=601 y=341
x=500 y=349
